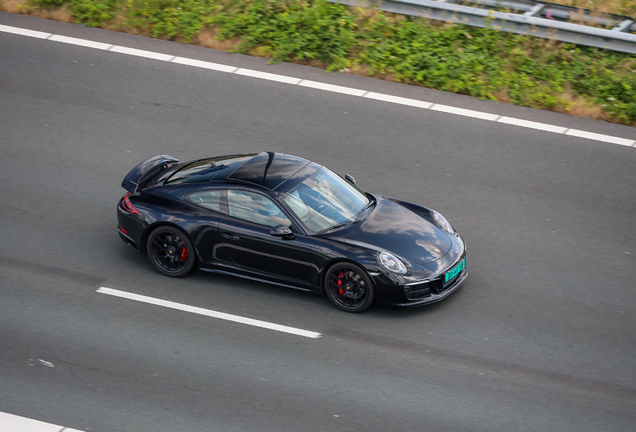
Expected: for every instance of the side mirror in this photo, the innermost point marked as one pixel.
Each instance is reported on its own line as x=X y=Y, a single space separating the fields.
x=350 y=179
x=282 y=231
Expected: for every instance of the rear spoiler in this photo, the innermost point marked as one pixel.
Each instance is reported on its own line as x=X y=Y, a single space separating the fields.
x=139 y=175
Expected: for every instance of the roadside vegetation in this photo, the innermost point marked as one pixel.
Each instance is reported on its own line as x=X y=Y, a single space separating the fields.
x=485 y=63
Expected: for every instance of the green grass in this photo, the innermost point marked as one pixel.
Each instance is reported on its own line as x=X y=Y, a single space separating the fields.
x=484 y=63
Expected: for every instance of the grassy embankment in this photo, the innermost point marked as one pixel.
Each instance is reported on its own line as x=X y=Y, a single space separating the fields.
x=479 y=62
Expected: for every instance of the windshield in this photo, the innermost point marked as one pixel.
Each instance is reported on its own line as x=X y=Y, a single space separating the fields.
x=325 y=200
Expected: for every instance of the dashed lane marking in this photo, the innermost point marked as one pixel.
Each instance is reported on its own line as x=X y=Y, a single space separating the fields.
x=14 y=423
x=209 y=313
x=322 y=86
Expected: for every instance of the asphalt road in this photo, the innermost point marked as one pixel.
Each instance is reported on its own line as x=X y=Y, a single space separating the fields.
x=540 y=338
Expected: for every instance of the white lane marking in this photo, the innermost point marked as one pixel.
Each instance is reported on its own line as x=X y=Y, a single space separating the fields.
x=46 y=363
x=465 y=112
x=141 y=53
x=24 y=32
x=332 y=88
x=328 y=87
x=14 y=423
x=204 y=65
x=80 y=42
x=268 y=76
x=398 y=100
x=532 y=125
x=208 y=312
x=601 y=137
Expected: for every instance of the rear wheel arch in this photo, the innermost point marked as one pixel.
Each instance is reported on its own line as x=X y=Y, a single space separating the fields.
x=150 y=228
x=170 y=250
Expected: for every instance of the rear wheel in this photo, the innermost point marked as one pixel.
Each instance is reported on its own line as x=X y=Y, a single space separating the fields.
x=170 y=251
x=349 y=287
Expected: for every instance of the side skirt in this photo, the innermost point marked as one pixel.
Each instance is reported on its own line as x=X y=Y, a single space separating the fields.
x=209 y=270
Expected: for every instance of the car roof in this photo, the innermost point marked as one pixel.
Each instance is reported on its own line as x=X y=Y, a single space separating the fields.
x=270 y=170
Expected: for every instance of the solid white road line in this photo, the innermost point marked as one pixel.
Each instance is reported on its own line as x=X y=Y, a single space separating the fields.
x=141 y=53
x=204 y=65
x=24 y=32
x=332 y=88
x=532 y=125
x=268 y=76
x=80 y=42
x=323 y=86
x=14 y=423
x=398 y=100
x=465 y=112
x=600 y=137
x=208 y=312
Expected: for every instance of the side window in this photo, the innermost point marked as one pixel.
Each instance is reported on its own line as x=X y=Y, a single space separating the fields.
x=255 y=208
x=207 y=199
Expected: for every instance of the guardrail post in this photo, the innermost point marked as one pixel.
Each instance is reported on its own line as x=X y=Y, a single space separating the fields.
x=535 y=10
x=622 y=27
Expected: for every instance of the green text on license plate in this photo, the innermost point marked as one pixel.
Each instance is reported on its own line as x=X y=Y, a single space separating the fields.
x=451 y=274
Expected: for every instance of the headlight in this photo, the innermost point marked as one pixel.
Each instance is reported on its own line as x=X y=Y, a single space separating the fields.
x=442 y=222
x=391 y=263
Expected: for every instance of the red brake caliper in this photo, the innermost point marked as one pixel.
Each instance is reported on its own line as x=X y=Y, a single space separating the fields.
x=184 y=254
x=340 y=278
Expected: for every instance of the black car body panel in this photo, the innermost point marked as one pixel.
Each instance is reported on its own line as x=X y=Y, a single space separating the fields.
x=395 y=228
x=226 y=244
x=138 y=176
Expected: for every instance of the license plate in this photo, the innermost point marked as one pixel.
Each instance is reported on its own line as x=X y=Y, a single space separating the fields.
x=454 y=272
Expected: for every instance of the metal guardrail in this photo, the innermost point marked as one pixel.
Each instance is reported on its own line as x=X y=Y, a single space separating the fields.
x=616 y=39
x=558 y=12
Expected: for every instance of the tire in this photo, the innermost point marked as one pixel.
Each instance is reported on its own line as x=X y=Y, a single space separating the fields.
x=170 y=251
x=349 y=287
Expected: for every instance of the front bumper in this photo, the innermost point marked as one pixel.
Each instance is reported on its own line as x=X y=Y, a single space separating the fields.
x=410 y=292
x=435 y=297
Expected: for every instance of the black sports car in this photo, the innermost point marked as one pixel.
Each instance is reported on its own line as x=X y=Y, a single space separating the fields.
x=286 y=220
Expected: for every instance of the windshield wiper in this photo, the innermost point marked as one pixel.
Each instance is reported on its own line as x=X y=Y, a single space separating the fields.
x=372 y=201
x=340 y=225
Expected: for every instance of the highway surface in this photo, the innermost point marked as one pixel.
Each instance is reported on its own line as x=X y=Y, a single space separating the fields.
x=540 y=338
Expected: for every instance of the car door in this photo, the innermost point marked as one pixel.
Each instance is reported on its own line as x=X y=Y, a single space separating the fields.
x=247 y=237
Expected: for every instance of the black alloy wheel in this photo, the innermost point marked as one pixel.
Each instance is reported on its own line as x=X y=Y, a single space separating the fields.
x=170 y=251
x=349 y=287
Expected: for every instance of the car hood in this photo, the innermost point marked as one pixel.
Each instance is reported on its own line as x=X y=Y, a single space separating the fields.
x=394 y=228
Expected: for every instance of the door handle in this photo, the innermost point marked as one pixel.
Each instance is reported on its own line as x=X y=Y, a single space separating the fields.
x=231 y=236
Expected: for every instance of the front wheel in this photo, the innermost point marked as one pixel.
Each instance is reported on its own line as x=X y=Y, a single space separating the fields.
x=170 y=251
x=349 y=287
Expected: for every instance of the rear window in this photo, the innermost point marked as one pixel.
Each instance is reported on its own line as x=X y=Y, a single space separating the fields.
x=200 y=171
x=207 y=169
